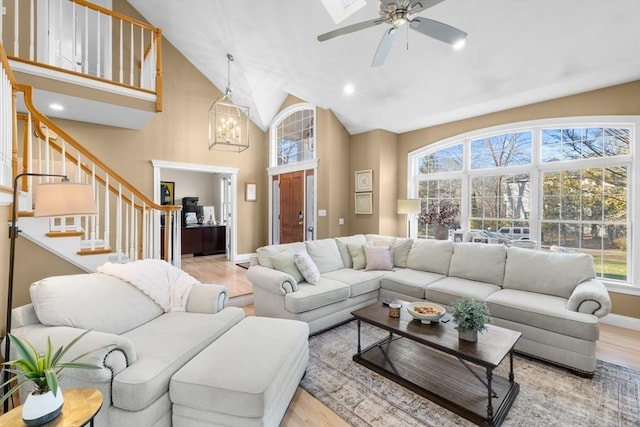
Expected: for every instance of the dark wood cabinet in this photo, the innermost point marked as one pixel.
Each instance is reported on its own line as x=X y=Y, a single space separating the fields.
x=200 y=240
x=204 y=240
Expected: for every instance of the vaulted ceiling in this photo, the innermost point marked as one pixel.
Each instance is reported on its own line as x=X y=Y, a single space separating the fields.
x=517 y=52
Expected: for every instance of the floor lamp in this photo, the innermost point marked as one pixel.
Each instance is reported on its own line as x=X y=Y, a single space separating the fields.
x=408 y=207
x=52 y=199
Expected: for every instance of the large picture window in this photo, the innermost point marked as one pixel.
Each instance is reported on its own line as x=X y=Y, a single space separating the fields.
x=565 y=184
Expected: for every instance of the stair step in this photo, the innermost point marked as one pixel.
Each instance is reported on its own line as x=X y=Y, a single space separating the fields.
x=97 y=251
x=64 y=233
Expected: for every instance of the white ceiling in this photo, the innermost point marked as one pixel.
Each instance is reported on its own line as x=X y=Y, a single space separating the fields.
x=517 y=52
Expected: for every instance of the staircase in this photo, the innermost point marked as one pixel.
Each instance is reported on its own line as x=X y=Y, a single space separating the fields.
x=127 y=226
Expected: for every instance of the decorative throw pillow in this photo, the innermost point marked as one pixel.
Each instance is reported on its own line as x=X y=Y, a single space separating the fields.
x=357 y=255
x=284 y=262
x=378 y=258
x=307 y=267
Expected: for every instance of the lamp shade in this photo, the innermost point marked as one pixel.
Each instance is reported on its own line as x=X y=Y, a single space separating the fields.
x=64 y=199
x=408 y=206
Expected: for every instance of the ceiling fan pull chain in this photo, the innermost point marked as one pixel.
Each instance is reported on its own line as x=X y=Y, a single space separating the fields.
x=408 y=36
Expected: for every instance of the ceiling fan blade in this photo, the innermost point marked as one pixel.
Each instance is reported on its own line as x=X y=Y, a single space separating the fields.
x=384 y=47
x=350 y=29
x=438 y=30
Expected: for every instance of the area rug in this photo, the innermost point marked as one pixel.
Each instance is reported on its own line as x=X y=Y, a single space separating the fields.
x=549 y=395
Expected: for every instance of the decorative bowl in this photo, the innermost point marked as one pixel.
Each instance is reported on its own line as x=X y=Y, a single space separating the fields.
x=426 y=311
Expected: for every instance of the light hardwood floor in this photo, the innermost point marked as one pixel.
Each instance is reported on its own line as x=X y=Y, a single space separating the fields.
x=216 y=269
x=616 y=345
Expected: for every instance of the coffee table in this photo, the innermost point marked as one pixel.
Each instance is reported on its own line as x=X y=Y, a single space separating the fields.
x=430 y=360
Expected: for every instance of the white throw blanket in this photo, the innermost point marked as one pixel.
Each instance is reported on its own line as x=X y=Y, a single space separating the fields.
x=165 y=284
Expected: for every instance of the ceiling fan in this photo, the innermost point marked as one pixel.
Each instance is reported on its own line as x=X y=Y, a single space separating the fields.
x=397 y=13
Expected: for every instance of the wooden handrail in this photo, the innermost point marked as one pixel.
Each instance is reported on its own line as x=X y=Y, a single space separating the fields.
x=114 y=14
x=28 y=100
x=85 y=168
x=6 y=66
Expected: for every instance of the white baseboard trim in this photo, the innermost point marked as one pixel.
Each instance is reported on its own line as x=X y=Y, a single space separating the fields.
x=622 y=321
x=240 y=301
x=244 y=257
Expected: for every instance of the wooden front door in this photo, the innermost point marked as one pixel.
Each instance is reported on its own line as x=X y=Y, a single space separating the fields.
x=292 y=213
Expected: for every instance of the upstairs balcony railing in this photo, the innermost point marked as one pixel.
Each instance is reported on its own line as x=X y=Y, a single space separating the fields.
x=84 y=39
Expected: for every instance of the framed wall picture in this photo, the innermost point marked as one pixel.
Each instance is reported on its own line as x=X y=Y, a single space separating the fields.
x=364 y=180
x=250 y=189
x=167 y=192
x=364 y=203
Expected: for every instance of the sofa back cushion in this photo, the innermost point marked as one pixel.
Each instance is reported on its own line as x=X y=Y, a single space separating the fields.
x=479 y=261
x=400 y=250
x=551 y=273
x=325 y=254
x=92 y=301
x=343 y=242
x=430 y=255
x=266 y=252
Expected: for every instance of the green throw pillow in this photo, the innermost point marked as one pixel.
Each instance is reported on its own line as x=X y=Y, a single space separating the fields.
x=357 y=255
x=284 y=262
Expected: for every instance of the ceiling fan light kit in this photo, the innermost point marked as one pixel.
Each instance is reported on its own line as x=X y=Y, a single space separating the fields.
x=228 y=123
x=398 y=13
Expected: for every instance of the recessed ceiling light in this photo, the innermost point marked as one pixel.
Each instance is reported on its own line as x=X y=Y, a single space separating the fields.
x=459 y=44
x=349 y=89
x=56 y=107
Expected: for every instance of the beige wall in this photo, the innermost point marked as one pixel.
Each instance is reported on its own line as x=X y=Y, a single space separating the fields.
x=333 y=169
x=376 y=150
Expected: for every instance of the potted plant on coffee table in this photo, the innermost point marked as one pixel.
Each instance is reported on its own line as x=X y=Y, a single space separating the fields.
x=43 y=368
x=470 y=318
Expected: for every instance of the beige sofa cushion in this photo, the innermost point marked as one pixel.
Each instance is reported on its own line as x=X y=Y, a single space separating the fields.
x=551 y=273
x=65 y=301
x=542 y=311
x=401 y=249
x=479 y=261
x=343 y=242
x=430 y=255
x=449 y=289
x=309 y=297
x=164 y=345
x=325 y=254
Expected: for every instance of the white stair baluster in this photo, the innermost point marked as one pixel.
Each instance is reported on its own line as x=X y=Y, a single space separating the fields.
x=107 y=193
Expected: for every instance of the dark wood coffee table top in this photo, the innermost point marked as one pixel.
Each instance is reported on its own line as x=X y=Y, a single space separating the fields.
x=490 y=349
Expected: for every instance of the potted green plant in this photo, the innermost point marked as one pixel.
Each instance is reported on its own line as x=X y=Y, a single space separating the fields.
x=470 y=318
x=42 y=368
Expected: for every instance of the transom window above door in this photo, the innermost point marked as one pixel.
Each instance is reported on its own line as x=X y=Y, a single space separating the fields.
x=294 y=136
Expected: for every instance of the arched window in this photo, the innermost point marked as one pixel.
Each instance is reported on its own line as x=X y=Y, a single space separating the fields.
x=564 y=183
x=293 y=136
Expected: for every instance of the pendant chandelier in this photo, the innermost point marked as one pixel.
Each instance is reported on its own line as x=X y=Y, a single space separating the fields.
x=228 y=123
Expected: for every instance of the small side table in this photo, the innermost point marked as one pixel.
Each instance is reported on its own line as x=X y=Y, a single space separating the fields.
x=80 y=407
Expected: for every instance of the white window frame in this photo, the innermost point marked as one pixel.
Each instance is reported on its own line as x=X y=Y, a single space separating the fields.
x=632 y=122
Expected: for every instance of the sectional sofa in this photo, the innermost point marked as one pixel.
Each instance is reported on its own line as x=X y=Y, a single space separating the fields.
x=552 y=298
